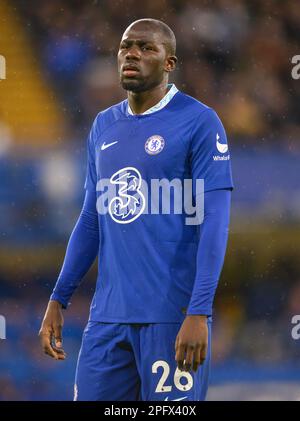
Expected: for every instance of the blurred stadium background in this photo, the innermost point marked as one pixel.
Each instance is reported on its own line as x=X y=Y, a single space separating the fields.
x=61 y=70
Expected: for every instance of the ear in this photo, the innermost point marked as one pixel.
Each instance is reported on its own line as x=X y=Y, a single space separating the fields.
x=170 y=63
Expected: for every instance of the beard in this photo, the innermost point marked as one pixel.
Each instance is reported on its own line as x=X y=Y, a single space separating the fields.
x=134 y=85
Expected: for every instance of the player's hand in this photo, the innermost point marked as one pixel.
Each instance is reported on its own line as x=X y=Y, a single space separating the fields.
x=51 y=331
x=191 y=343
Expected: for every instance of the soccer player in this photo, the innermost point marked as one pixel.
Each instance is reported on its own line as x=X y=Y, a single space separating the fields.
x=149 y=332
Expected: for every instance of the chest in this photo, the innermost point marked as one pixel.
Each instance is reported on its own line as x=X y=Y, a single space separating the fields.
x=156 y=148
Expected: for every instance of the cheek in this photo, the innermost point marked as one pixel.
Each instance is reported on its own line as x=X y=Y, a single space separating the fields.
x=155 y=67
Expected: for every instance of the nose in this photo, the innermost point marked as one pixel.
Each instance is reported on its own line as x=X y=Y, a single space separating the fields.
x=133 y=53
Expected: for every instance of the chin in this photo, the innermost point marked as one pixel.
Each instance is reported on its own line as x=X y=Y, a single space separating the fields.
x=133 y=85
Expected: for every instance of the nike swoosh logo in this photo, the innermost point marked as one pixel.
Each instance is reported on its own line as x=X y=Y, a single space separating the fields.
x=222 y=147
x=107 y=145
x=179 y=399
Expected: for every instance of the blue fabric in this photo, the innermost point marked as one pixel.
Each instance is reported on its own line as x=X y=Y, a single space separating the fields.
x=82 y=249
x=150 y=265
x=125 y=362
x=211 y=250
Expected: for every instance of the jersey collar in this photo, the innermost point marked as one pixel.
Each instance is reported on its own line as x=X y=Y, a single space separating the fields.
x=161 y=104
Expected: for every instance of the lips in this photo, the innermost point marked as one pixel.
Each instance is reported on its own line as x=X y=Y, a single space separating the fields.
x=130 y=70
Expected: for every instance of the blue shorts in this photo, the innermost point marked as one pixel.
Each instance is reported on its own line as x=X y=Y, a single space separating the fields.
x=132 y=362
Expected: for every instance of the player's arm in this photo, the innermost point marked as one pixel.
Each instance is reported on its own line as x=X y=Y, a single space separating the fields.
x=210 y=161
x=192 y=339
x=81 y=252
x=80 y=255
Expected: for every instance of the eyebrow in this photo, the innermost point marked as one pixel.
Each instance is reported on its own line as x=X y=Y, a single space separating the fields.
x=137 y=41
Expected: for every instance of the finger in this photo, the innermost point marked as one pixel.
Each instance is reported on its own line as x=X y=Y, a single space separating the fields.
x=197 y=359
x=189 y=358
x=58 y=350
x=58 y=354
x=180 y=353
x=203 y=353
x=58 y=335
x=46 y=344
x=46 y=338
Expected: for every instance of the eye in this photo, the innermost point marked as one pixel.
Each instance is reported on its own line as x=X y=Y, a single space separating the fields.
x=146 y=47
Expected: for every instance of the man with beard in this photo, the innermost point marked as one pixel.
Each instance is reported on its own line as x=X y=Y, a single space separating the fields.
x=149 y=332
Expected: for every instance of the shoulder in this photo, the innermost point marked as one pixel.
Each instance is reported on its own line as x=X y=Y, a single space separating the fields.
x=194 y=110
x=204 y=122
x=109 y=116
x=191 y=104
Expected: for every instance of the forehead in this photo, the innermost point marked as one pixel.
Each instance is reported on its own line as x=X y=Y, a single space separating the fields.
x=144 y=34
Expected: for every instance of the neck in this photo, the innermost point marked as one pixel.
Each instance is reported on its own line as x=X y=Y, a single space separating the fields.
x=141 y=101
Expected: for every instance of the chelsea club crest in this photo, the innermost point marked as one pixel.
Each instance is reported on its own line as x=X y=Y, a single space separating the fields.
x=154 y=144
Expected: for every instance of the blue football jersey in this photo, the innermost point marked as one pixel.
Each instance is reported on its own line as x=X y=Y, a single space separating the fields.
x=147 y=257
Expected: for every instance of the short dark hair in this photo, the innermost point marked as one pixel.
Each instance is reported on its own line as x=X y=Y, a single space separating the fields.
x=166 y=31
